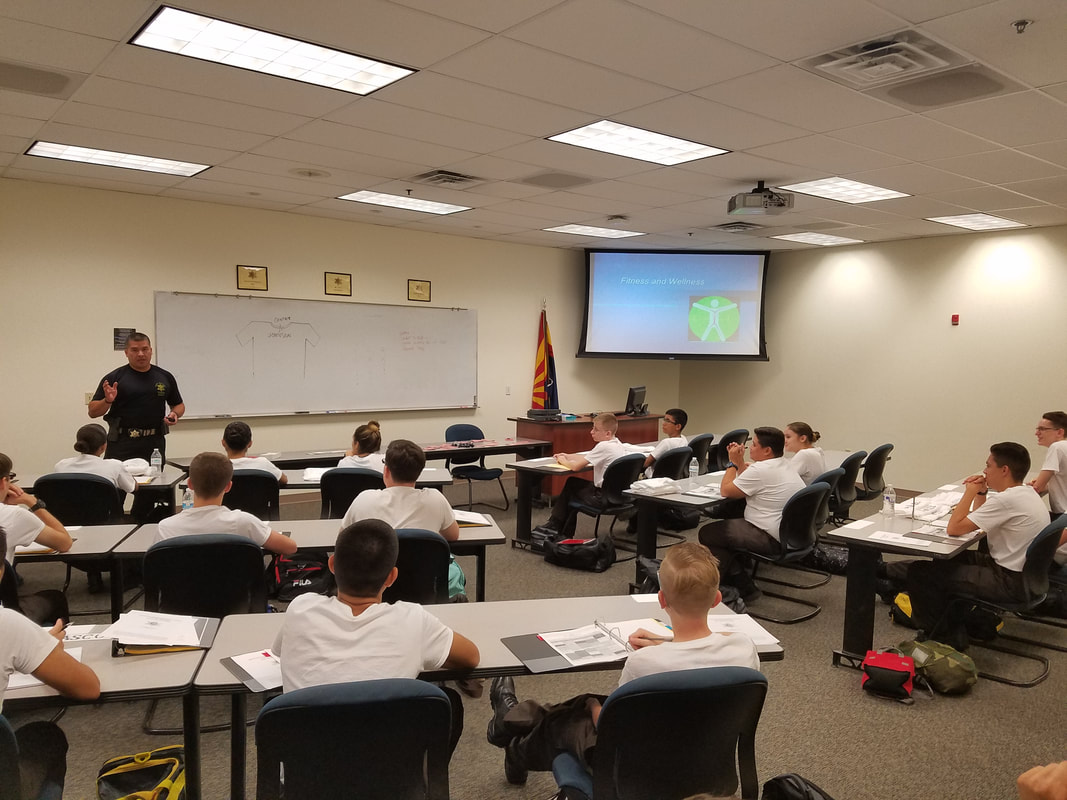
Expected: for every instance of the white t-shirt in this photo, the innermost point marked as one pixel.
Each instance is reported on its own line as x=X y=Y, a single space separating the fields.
x=374 y=461
x=322 y=642
x=110 y=468
x=402 y=507
x=214 y=519
x=808 y=463
x=1056 y=462
x=21 y=526
x=257 y=462
x=602 y=455
x=1011 y=519
x=716 y=650
x=662 y=447
x=768 y=485
x=23 y=646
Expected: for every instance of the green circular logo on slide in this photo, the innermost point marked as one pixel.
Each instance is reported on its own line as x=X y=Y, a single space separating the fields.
x=713 y=318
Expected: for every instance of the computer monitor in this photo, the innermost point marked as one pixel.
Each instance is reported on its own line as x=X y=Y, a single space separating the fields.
x=635 y=401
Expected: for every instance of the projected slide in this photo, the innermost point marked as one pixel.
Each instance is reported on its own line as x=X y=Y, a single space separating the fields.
x=675 y=304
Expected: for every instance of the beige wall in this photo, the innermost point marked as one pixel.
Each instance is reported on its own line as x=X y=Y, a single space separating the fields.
x=861 y=347
x=78 y=262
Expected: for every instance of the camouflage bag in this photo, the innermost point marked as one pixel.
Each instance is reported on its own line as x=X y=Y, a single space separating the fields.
x=947 y=670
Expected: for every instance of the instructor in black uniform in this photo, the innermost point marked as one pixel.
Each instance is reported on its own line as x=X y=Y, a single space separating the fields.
x=133 y=400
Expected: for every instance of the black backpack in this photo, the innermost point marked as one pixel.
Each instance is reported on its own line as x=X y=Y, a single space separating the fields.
x=291 y=576
x=790 y=786
x=591 y=555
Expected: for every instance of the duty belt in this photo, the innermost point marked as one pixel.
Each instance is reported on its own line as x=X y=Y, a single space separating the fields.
x=137 y=433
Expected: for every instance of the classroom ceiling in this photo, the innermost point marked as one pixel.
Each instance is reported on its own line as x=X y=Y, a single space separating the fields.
x=495 y=79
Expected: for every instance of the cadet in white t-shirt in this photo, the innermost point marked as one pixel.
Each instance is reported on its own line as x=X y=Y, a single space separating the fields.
x=366 y=442
x=807 y=461
x=1052 y=433
x=674 y=421
x=236 y=439
x=25 y=518
x=209 y=478
x=91 y=444
x=355 y=636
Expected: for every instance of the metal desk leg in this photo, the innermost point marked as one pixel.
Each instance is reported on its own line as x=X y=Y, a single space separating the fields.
x=860 y=586
x=479 y=596
x=118 y=588
x=647 y=519
x=524 y=484
x=238 y=744
x=191 y=724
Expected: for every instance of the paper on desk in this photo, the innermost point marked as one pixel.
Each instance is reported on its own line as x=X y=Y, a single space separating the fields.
x=32 y=549
x=858 y=525
x=84 y=633
x=313 y=474
x=654 y=486
x=741 y=623
x=710 y=490
x=149 y=627
x=470 y=517
x=586 y=645
x=259 y=671
x=948 y=487
x=20 y=680
x=899 y=538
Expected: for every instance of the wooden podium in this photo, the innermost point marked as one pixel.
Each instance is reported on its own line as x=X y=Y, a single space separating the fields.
x=572 y=436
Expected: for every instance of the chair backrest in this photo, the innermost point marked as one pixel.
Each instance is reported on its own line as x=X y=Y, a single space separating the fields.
x=254 y=491
x=831 y=478
x=846 y=484
x=422 y=568
x=462 y=433
x=674 y=734
x=9 y=589
x=1039 y=555
x=9 y=763
x=619 y=475
x=375 y=740
x=798 y=532
x=700 y=445
x=77 y=498
x=206 y=575
x=339 y=487
x=673 y=464
x=874 y=469
x=722 y=457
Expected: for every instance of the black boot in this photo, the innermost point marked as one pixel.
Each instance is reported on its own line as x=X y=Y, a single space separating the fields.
x=502 y=698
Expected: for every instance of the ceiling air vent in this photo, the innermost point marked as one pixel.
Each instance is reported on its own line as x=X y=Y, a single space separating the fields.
x=443 y=177
x=738 y=227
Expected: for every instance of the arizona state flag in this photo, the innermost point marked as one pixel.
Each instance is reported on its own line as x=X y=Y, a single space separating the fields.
x=545 y=394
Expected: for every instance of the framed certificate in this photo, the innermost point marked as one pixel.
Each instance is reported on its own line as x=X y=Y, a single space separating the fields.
x=339 y=283
x=253 y=278
x=419 y=290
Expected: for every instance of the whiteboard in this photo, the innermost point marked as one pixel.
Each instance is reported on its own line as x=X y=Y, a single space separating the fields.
x=246 y=356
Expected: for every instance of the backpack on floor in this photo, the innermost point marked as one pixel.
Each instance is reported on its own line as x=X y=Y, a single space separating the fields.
x=900 y=610
x=591 y=555
x=288 y=577
x=156 y=775
x=791 y=786
x=946 y=669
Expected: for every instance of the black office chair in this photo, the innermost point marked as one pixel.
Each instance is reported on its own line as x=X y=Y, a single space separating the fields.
x=700 y=446
x=472 y=468
x=422 y=568
x=618 y=477
x=76 y=498
x=1039 y=558
x=340 y=486
x=673 y=464
x=375 y=740
x=831 y=478
x=254 y=491
x=721 y=458
x=842 y=499
x=873 y=480
x=203 y=575
x=672 y=735
x=10 y=789
x=797 y=536
x=43 y=607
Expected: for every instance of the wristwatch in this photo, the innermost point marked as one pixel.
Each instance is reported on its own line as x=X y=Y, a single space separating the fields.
x=38 y=506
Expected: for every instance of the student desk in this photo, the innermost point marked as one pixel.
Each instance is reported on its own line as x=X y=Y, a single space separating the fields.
x=862 y=571
x=161 y=488
x=429 y=478
x=92 y=543
x=484 y=623
x=134 y=678
x=320 y=534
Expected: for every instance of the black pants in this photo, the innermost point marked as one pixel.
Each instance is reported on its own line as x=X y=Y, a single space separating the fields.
x=42 y=759
x=574 y=489
x=726 y=538
x=543 y=732
x=140 y=447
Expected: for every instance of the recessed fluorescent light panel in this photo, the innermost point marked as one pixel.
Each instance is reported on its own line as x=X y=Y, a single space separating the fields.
x=844 y=190
x=623 y=140
x=109 y=158
x=977 y=222
x=404 y=202
x=586 y=230
x=211 y=39
x=824 y=239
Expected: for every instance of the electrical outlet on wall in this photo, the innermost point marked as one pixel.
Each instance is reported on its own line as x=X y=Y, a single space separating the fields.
x=88 y=398
x=507 y=390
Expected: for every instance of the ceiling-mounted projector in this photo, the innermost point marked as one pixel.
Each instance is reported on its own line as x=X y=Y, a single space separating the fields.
x=760 y=200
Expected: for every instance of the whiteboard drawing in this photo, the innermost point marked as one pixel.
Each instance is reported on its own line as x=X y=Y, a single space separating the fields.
x=281 y=343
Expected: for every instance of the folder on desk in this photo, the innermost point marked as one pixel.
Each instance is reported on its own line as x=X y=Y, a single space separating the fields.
x=471 y=519
x=599 y=643
x=201 y=638
x=260 y=670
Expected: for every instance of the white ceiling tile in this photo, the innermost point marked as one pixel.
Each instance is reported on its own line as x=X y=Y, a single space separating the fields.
x=698 y=184
x=122 y=142
x=111 y=20
x=1048 y=190
x=572 y=159
x=921 y=227
x=284 y=169
x=95 y=172
x=46 y=46
x=1056 y=152
x=544 y=211
x=77 y=178
x=744 y=169
x=332 y=158
x=592 y=30
x=913 y=179
x=831 y=156
x=998 y=167
x=1059 y=91
x=858 y=214
x=15 y=144
x=921 y=207
x=245 y=200
x=360 y=140
x=494 y=17
x=209 y=185
x=798 y=29
x=1011 y=120
x=920 y=10
x=511 y=191
x=531 y=71
x=29 y=105
x=310 y=189
x=1038 y=215
x=497 y=169
x=633 y=193
x=914 y=138
x=985 y=199
x=22 y=127
x=800 y=98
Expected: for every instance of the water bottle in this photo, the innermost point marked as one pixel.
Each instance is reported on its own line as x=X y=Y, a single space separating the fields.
x=157 y=463
x=187 y=499
x=694 y=468
x=889 y=501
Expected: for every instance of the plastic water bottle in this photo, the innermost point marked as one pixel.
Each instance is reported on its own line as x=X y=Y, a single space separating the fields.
x=187 y=499
x=889 y=501
x=157 y=463
x=694 y=468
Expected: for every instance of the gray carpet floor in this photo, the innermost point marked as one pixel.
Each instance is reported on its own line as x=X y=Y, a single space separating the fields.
x=816 y=720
